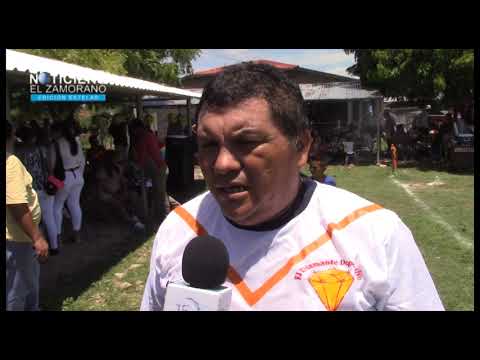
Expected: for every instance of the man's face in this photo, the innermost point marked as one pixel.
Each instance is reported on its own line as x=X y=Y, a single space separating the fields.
x=250 y=167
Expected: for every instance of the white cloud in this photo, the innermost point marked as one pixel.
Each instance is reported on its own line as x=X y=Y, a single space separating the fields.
x=341 y=71
x=236 y=52
x=229 y=55
x=324 y=59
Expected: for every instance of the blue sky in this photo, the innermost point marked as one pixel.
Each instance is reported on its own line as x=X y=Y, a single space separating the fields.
x=329 y=60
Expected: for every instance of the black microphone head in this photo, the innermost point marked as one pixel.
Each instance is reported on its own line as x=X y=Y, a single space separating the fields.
x=205 y=262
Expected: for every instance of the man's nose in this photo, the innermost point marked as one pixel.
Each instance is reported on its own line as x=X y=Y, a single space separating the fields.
x=225 y=162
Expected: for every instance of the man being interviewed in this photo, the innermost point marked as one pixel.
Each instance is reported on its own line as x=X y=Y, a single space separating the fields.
x=293 y=243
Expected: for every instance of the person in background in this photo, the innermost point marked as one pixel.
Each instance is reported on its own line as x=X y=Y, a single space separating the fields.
x=445 y=133
x=25 y=246
x=146 y=152
x=119 y=131
x=96 y=151
x=35 y=160
x=399 y=139
x=112 y=191
x=348 y=147
x=318 y=163
x=69 y=148
x=162 y=144
x=175 y=125
x=394 y=155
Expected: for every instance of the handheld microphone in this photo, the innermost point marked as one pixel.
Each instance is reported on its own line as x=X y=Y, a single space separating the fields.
x=205 y=265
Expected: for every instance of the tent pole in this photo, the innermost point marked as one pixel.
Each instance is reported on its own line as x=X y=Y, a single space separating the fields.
x=7 y=99
x=139 y=107
x=380 y=112
x=189 y=120
x=139 y=113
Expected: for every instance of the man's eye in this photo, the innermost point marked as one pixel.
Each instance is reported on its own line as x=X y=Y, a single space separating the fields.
x=207 y=145
x=248 y=142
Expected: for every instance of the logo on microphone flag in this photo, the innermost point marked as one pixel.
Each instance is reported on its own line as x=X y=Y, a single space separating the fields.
x=331 y=286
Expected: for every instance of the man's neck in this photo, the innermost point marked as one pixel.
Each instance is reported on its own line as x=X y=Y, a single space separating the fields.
x=299 y=202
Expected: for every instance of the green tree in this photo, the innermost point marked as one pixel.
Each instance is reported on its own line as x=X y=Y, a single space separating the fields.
x=159 y=65
x=110 y=60
x=444 y=75
x=166 y=65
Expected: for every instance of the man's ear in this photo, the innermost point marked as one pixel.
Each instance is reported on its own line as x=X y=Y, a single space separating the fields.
x=304 y=142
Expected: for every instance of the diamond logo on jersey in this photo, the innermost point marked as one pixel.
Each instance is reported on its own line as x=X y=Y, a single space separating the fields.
x=331 y=286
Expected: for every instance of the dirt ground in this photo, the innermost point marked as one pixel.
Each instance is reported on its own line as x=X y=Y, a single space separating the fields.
x=103 y=245
x=80 y=264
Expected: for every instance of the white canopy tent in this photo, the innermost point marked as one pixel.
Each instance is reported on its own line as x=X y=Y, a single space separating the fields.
x=20 y=65
x=18 y=62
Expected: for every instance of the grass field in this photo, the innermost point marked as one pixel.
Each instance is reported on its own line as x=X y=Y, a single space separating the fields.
x=438 y=209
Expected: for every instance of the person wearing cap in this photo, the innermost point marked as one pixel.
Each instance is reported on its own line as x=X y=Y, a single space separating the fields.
x=293 y=244
x=25 y=245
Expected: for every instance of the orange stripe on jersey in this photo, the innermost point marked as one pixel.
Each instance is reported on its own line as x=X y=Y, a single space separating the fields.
x=351 y=218
x=191 y=221
x=252 y=297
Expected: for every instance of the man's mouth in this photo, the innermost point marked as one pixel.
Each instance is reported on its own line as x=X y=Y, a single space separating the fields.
x=232 y=189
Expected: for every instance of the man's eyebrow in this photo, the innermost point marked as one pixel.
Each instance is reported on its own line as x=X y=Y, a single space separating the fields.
x=246 y=131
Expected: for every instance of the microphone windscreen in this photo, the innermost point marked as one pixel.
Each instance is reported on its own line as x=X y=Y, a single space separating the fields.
x=205 y=262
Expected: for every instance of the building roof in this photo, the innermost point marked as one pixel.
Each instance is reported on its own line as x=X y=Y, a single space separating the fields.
x=26 y=63
x=217 y=70
x=337 y=91
x=310 y=92
x=292 y=70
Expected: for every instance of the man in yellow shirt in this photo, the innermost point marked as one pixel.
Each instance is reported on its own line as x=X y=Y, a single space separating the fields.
x=25 y=244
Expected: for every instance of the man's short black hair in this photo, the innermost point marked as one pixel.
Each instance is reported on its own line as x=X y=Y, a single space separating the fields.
x=245 y=81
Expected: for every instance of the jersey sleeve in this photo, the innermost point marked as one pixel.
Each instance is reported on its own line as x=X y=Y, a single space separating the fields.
x=410 y=285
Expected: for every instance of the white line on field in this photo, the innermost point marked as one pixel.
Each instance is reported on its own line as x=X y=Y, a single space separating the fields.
x=435 y=217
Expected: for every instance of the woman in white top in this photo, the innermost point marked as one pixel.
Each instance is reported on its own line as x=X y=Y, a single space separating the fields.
x=74 y=164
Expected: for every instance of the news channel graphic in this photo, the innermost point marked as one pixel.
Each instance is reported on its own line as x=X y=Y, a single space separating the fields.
x=47 y=88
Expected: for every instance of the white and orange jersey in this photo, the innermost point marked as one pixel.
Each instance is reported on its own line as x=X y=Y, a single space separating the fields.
x=341 y=252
